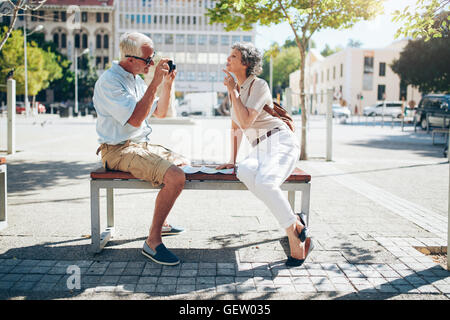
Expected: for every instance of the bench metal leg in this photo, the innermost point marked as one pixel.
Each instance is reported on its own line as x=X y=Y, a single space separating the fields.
x=3 y=197
x=110 y=207
x=291 y=199
x=306 y=196
x=95 y=218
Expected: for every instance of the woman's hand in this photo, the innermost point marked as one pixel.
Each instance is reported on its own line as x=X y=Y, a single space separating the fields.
x=225 y=166
x=229 y=81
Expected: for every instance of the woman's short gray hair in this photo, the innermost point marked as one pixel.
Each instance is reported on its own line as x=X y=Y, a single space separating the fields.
x=251 y=57
x=131 y=43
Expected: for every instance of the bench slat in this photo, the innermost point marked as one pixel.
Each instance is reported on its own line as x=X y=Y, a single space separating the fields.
x=101 y=173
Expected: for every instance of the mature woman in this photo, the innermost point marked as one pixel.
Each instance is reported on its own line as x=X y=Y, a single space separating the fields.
x=275 y=148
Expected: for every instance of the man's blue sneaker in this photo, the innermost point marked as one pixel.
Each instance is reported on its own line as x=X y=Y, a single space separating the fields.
x=171 y=230
x=161 y=255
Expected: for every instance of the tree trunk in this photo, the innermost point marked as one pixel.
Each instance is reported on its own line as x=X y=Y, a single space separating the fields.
x=303 y=154
x=11 y=25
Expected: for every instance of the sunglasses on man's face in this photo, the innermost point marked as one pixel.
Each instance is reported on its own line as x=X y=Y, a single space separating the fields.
x=146 y=60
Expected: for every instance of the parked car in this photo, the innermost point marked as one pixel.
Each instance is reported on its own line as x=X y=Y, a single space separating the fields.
x=386 y=108
x=340 y=112
x=437 y=107
x=20 y=107
x=41 y=107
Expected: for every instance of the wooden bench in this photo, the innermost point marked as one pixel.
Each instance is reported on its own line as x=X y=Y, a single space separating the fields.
x=3 y=194
x=110 y=180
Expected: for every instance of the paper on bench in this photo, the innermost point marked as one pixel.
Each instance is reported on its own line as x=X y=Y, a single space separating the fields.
x=204 y=169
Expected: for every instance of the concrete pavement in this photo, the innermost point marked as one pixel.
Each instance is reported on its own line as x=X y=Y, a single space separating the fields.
x=384 y=193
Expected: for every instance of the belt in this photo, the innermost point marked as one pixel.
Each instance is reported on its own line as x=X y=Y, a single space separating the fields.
x=263 y=137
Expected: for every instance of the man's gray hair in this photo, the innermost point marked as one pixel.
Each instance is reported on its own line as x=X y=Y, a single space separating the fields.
x=251 y=57
x=131 y=43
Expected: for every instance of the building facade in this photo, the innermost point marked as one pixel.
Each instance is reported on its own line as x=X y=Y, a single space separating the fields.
x=75 y=26
x=358 y=78
x=181 y=31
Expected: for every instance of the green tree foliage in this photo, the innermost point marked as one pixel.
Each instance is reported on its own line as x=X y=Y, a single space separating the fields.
x=64 y=85
x=43 y=65
x=87 y=78
x=354 y=43
x=427 y=19
x=284 y=63
x=424 y=64
x=305 y=17
x=327 y=51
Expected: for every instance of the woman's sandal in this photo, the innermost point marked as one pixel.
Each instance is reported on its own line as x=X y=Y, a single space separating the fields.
x=293 y=262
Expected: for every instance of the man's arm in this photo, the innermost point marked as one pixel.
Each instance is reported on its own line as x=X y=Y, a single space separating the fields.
x=144 y=105
x=164 y=99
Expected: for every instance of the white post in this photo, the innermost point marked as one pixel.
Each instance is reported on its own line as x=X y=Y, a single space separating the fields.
x=329 y=124
x=11 y=98
x=27 y=103
x=448 y=214
x=76 y=83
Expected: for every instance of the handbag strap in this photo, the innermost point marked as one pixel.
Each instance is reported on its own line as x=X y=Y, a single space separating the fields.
x=266 y=107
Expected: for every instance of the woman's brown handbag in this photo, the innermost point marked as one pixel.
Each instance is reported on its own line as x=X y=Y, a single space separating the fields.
x=278 y=111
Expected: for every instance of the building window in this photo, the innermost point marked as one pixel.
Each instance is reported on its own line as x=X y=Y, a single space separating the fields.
x=247 y=38
x=105 y=62
x=213 y=40
x=56 y=40
x=106 y=17
x=105 y=41
x=63 y=16
x=158 y=38
x=98 y=62
x=381 y=94
x=202 y=40
x=98 y=41
x=84 y=17
x=77 y=41
x=235 y=39
x=191 y=39
x=85 y=41
x=368 y=72
x=179 y=39
x=328 y=74
x=168 y=39
x=382 y=69
x=334 y=73
x=225 y=40
x=342 y=70
x=99 y=17
x=149 y=19
x=63 y=40
x=55 y=16
x=194 y=20
x=41 y=16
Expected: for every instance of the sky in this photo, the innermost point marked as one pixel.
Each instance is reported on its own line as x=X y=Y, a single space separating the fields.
x=376 y=33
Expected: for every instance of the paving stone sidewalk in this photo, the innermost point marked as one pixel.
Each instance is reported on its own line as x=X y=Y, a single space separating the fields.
x=368 y=216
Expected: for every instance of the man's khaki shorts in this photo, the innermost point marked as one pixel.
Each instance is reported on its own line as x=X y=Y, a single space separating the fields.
x=143 y=160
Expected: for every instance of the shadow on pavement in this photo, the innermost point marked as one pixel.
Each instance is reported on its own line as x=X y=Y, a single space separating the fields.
x=28 y=176
x=420 y=143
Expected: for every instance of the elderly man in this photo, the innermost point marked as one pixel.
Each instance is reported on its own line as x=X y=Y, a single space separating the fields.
x=123 y=102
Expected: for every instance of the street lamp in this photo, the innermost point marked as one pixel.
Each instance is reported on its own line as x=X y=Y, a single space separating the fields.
x=37 y=28
x=85 y=51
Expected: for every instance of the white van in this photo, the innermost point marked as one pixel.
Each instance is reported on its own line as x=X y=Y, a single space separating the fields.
x=386 y=108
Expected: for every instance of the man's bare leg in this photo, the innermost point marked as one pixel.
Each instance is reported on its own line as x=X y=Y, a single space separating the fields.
x=173 y=182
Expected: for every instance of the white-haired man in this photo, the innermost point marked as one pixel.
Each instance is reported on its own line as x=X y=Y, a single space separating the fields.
x=123 y=102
